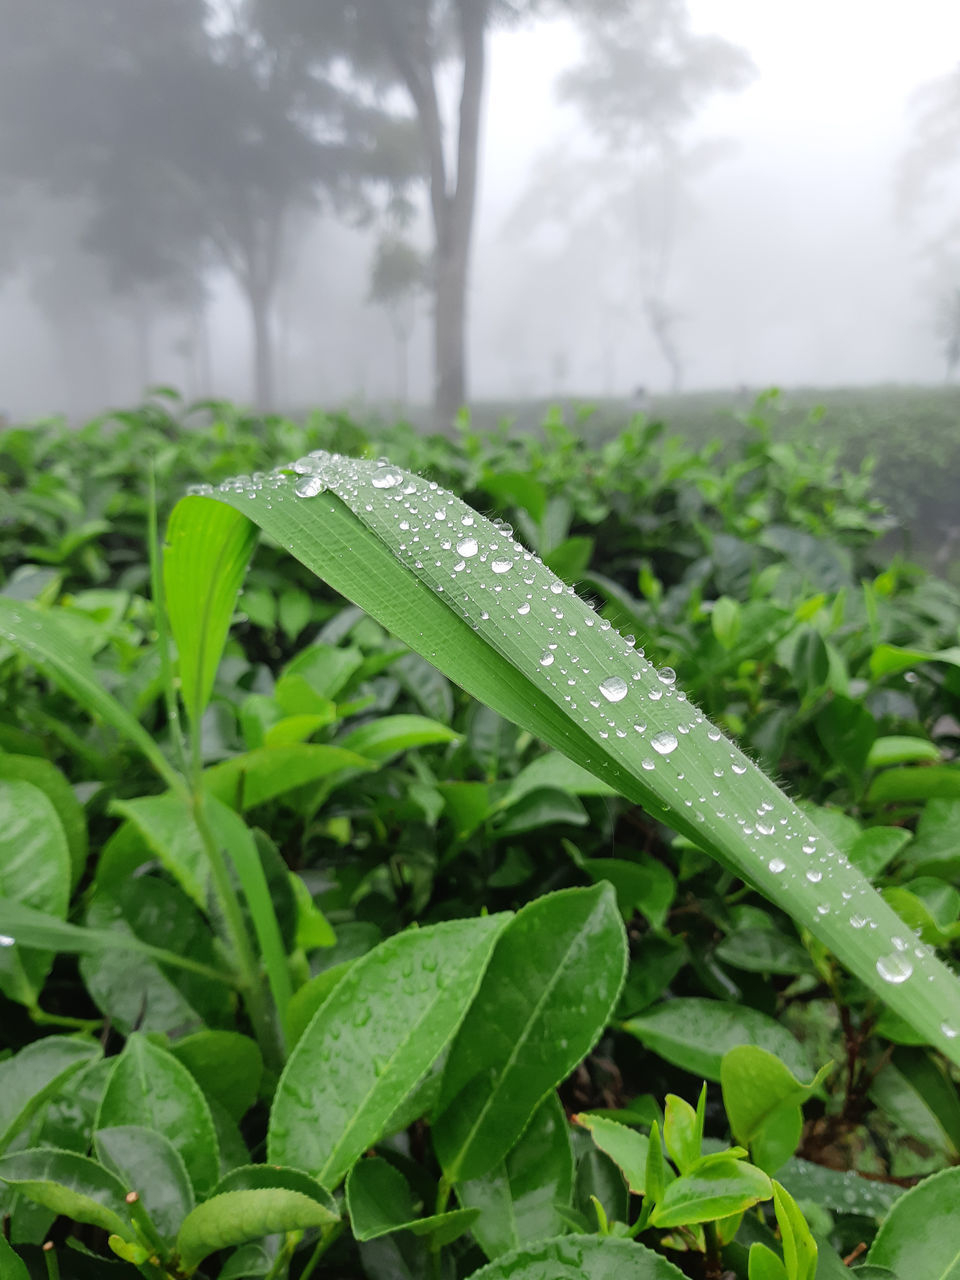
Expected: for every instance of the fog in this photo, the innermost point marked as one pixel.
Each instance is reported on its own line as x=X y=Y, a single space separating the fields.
x=776 y=232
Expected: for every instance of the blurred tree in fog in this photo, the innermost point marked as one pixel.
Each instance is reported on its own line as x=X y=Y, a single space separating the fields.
x=191 y=139
x=397 y=281
x=398 y=52
x=645 y=74
x=929 y=192
x=643 y=79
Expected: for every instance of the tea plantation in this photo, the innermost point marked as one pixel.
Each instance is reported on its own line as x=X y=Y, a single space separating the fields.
x=523 y=855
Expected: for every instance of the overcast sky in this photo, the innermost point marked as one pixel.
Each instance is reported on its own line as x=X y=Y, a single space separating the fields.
x=797 y=268
x=793 y=266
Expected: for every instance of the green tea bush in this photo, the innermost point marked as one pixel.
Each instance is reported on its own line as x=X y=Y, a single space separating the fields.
x=316 y=962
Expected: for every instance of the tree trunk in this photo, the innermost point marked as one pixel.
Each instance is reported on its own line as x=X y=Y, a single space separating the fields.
x=449 y=333
x=262 y=350
x=453 y=220
x=143 y=336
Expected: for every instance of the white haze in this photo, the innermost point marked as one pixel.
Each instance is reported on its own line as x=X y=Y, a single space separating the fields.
x=794 y=267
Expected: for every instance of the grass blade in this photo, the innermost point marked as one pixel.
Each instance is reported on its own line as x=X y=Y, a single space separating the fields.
x=458 y=589
x=204 y=562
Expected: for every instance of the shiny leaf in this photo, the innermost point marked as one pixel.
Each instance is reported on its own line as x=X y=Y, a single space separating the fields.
x=372 y=1040
x=548 y=993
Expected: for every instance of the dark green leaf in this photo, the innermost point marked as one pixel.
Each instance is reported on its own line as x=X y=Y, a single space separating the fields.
x=147 y=1162
x=921 y=1237
x=839 y=1192
x=70 y=1185
x=694 y=1034
x=581 y=1258
x=226 y=1065
x=34 y=872
x=32 y=1076
x=547 y=994
x=380 y=1201
x=518 y=1199
x=372 y=1040
x=49 y=779
x=150 y=1087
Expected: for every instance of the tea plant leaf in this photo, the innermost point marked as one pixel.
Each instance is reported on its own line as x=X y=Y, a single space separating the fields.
x=255 y=1177
x=11 y=1266
x=235 y=1217
x=550 y=987
x=35 y=872
x=799 y=1247
x=921 y=1236
x=260 y=775
x=150 y=1087
x=226 y=1065
x=147 y=1162
x=517 y=1200
x=42 y=638
x=763 y=1099
x=382 y=739
x=166 y=824
x=764 y=1264
x=460 y=591
x=581 y=1257
x=35 y=1074
x=920 y=1096
x=836 y=1191
x=720 y=1189
x=69 y=1184
x=204 y=562
x=136 y=982
x=372 y=1040
x=695 y=1033
x=49 y=779
x=379 y=1201
x=37 y=929
x=625 y=1147
x=555 y=771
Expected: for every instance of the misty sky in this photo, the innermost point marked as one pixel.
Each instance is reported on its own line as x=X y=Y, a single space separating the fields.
x=791 y=264
x=797 y=268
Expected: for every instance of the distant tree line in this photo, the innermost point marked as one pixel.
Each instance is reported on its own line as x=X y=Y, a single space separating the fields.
x=182 y=136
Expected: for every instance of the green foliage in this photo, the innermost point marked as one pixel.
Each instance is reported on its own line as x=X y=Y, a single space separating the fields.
x=359 y=930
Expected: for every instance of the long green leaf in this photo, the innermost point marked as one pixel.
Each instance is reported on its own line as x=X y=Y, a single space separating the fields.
x=206 y=556
x=236 y=837
x=460 y=591
x=31 y=928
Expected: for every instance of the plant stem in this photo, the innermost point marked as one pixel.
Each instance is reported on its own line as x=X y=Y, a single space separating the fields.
x=712 y=1241
x=163 y=634
x=237 y=932
x=444 y=1189
x=44 y=1019
x=327 y=1237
